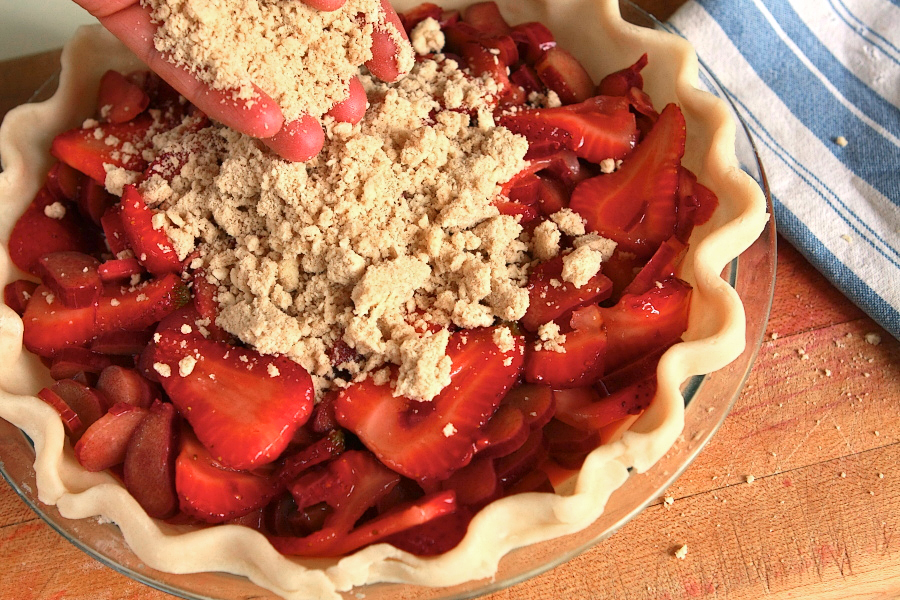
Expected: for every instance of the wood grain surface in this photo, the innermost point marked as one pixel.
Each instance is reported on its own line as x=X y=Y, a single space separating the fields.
x=796 y=497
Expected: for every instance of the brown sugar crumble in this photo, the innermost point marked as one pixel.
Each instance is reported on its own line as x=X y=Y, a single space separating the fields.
x=390 y=229
x=386 y=238
x=302 y=57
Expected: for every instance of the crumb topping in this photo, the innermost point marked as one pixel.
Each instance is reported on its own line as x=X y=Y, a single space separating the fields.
x=302 y=57
x=389 y=230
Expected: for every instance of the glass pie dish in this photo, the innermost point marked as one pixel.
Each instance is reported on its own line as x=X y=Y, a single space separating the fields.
x=715 y=338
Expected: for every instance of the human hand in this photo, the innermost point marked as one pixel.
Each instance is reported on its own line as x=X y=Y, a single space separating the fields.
x=297 y=140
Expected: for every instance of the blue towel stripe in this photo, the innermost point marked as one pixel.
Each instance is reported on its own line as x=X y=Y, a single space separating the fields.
x=819 y=98
x=871 y=36
x=808 y=99
x=846 y=213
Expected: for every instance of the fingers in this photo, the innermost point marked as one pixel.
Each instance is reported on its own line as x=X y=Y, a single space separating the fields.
x=328 y=5
x=104 y=8
x=385 y=51
x=298 y=140
x=260 y=118
x=354 y=107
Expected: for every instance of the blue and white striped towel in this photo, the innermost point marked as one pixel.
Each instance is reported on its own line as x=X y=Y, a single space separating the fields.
x=807 y=75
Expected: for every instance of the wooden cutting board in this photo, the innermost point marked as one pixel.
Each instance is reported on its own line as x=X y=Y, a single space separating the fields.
x=796 y=497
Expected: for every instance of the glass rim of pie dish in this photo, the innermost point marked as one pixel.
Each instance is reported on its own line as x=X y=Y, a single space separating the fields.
x=708 y=400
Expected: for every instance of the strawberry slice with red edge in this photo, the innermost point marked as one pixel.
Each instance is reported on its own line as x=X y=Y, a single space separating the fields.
x=583 y=359
x=209 y=383
x=151 y=246
x=639 y=324
x=428 y=441
x=50 y=326
x=696 y=204
x=213 y=493
x=636 y=205
x=119 y=99
x=36 y=233
x=139 y=307
x=551 y=298
x=596 y=129
x=620 y=82
x=585 y=409
x=87 y=149
x=350 y=485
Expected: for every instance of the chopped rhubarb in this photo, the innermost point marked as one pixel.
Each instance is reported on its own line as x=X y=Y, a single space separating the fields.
x=71 y=276
x=105 y=442
x=149 y=466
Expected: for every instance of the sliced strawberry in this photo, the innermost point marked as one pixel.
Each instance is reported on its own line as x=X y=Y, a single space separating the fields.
x=583 y=408
x=137 y=308
x=636 y=205
x=419 y=13
x=620 y=82
x=212 y=493
x=551 y=298
x=105 y=442
x=553 y=196
x=564 y=74
x=36 y=234
x=660 y=267
x=151 y=246
x=696 y=204
x=436 y=536
x=71 y=276
x=17 y=294
x=93 y=200
x=119 y=99
x=534 y=39
x=208 y=382
x=50 y=326
x=639 y=324
x=596 y=129
x=90 y=148
x=149 y=467
x=430 y=440
x=207 y=305
x=114 y=230
x=583 y=360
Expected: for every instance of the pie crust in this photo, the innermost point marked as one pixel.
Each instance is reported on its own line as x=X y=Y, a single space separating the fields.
x=714 y=338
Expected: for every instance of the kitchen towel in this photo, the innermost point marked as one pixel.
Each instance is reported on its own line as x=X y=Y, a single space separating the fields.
x=818 y=83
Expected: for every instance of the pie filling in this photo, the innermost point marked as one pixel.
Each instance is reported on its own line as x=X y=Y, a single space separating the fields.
x=456 y=302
